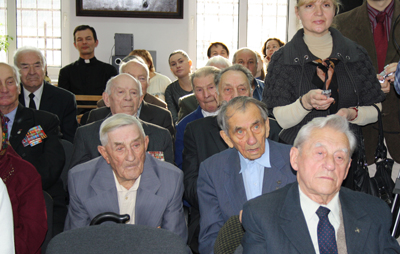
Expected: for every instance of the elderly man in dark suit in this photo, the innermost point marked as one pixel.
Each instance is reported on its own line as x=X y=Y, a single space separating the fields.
x=148 y=112
x=378 y=38
x=123 y=95
x=315 y=214
x=126 y=180
x=34 y=135
x=252 y=166
x=36 y=93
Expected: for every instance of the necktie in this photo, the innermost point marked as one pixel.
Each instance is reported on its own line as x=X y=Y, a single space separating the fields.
x=5 y=130
x=31 y=101
x=380 y=39
x=326 y=233
x=397 y=79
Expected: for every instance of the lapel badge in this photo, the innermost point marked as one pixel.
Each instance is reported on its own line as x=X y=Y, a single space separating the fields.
x=357 y=230
x=19 y=131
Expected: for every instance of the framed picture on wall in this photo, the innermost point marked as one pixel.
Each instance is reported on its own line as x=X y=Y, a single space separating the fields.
x=165 y=9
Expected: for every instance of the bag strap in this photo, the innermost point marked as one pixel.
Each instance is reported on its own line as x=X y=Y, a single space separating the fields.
x=381 y=151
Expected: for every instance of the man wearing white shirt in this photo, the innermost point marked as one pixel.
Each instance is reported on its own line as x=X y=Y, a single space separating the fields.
x=316 y=215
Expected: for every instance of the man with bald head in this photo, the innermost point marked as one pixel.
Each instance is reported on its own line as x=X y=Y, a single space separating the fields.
x=123 y=94
x=248 y=58
x=34 y=135
x=147 y=111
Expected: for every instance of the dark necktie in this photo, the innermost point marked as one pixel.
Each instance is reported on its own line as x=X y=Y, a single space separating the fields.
x=5 y=130
x=380 y=39
x=31 y=101
x=326 y=233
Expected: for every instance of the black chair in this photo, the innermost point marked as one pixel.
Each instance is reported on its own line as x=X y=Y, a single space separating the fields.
x=229 y=236
x=116 y=239
x=49 y=209
x=110 y=216
x=68 y=148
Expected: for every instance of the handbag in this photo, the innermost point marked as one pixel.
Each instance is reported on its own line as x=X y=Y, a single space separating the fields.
x=381 y=185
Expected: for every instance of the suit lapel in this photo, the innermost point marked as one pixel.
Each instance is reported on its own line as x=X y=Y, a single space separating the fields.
x=46 y=97
x=21 y=96
x=149 y=206
x=292 y=222
x=214 y=132
x=145 y=114
x=277 y=163
x=356 y=224
x=23 y=121
x=106 y=198
x=234 y=185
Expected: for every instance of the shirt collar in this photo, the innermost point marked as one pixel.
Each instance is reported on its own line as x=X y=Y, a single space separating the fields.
x=373 y=12
x=205 y=113
x=264 y=160
x=119 y=187
x=309 y=206
x=38 y=93
x=88 y=61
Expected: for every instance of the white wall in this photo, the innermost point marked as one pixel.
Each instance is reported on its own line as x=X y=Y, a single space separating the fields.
x=162 y=35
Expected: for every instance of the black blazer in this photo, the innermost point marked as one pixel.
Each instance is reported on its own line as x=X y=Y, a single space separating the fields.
x=149 y=113
x=48 y=157
x=87 y=139
x=60 y=102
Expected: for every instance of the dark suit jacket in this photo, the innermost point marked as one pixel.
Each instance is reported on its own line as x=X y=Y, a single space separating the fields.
x=221 y=190
x=87 y=139
x=149 y=113
x=281 y=227
x=356 y=26
x=60 y=102
x=158 y=201
x=47 y=157
x=187 y=104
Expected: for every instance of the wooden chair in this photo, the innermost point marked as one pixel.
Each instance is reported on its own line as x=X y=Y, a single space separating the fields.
x=86 y=98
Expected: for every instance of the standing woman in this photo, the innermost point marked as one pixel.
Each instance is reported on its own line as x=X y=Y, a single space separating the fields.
x=180 y=65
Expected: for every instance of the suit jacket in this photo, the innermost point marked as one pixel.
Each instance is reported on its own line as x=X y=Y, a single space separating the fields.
x=356 y=26
x=60 y=102
x=221 y=190
x=149 y=113
x=281 y=227
x=48 y=157
x=180 y=129
x=158 y=201
x=187 y=104
x=87 y=139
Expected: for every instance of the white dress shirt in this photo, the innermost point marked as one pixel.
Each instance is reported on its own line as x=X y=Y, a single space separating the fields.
x=127 y=199
x=309 y=208
x=38 y=96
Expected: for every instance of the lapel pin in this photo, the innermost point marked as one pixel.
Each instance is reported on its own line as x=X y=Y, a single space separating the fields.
x=19 y=131
x=357 y=230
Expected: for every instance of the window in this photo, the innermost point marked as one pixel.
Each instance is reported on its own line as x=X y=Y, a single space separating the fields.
x=248 y=23
x=37 y=23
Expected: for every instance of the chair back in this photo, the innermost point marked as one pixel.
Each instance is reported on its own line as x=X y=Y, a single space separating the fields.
x=229 y=236
x=116 y=239
x=49 y=210
x=87 y=98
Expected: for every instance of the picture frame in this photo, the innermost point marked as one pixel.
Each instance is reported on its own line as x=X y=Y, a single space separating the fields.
x=163 y=9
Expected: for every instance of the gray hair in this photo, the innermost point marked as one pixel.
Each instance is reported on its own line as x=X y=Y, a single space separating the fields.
x=16 y=74
x=28 y=49
x=218 y=60
x=204 y=72
x=110 y=83
x=236 y=67
x=117 y=121
x=241 y=50
x=239 y=103
x=335 y=122
x=137 y=60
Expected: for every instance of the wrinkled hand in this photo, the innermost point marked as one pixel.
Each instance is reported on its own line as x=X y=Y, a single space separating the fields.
x=348 y=113
x=315 y=99
x=385 y=86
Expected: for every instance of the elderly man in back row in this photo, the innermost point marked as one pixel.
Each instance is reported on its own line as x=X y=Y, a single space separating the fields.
x=205 y=90
x=252 y=166
x=123 y=94
x=126 y=180
x=315 y=214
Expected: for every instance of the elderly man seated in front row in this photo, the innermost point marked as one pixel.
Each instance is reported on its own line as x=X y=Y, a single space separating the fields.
x=316 y=215
x=126 y=180
x=252 y=166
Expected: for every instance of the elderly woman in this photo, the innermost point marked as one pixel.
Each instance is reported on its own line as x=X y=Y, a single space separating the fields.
x=320 y=72
x=24 y=187
x=180 y=65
